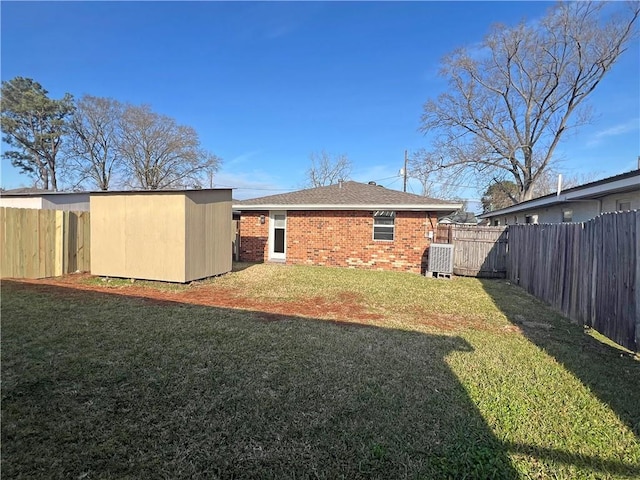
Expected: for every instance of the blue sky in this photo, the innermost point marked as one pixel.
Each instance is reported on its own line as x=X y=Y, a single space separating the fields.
x=267 y=84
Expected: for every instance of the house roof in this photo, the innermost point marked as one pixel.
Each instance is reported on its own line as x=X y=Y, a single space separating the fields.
x=625 y=182
x=25 y=191
x=347 y=195
x=460 y=218
x=36 y=192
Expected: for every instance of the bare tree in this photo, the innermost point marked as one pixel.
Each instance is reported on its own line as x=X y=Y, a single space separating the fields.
x=94 y=140
x=548 y=182
x=510 y=101
x=434 y=181
x=158 y=153
x=326 y=169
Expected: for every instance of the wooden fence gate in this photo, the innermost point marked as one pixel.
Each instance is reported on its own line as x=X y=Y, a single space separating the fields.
x=477 y=251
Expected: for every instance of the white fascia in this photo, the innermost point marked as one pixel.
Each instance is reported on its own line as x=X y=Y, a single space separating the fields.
x=401 y=207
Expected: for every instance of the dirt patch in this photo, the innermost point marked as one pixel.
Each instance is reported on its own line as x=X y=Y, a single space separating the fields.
x=346 y=306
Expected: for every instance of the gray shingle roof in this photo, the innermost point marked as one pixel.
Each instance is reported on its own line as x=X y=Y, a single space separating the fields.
x=349 y=194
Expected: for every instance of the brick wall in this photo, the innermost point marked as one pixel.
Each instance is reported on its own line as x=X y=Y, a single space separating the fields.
x=343 y=239
x=254 y=236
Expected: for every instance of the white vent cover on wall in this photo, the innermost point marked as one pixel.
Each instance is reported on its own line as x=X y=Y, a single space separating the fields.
x=441 y=258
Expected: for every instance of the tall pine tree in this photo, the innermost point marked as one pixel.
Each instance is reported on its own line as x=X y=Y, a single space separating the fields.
x=34 y=125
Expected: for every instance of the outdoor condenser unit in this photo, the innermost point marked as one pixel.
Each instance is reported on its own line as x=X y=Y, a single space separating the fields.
x=440 y=258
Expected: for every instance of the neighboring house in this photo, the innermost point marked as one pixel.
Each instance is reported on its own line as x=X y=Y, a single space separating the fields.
x=459 y=218
x=45 y=199
x=577 y=204
x=349 y=224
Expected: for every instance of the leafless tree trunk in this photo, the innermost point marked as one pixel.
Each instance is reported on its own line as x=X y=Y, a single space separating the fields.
x=95 y=136
x=326 y=169
x=510 y=101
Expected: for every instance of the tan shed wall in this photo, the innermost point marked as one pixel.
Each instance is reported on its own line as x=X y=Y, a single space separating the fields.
x=138 y=236
x=107 y=236
x=208 y=227
x=176 y=236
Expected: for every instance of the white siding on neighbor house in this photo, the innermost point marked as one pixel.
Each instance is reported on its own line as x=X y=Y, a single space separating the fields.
x=610 y=202
x=74 y=202
x=583 y=210
x=21 y=202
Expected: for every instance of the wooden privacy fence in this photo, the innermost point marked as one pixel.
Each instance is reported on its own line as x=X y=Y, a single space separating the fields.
x=589 y=271
x=43 y=243
x=477 y=251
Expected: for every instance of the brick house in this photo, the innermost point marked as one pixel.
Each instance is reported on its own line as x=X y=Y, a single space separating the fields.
x=349 y=224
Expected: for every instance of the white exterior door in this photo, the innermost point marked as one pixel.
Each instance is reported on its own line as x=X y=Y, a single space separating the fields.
x=277 y=235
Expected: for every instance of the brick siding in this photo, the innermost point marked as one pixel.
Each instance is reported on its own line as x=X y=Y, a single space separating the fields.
x=254 y=237
x=342 y=239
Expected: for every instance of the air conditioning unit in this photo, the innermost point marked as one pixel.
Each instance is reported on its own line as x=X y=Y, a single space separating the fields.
x=440 y=260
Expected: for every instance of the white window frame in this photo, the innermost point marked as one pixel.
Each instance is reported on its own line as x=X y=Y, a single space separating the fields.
x=384 y=227
x=273 y=255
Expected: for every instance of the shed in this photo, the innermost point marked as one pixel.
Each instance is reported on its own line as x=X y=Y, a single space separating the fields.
x=166 y=235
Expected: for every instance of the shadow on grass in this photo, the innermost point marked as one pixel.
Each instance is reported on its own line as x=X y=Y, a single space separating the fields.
x=103 y=385
x=610 y=373
x=238 y=266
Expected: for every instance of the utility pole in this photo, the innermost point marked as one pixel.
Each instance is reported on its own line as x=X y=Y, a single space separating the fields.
x=404 y=171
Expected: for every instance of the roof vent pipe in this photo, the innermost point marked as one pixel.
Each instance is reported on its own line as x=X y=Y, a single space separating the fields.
x=340 y=183
x=559 y=184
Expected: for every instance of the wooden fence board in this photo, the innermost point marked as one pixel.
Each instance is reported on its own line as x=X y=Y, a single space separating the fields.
x=43 y=243
x=590 y=272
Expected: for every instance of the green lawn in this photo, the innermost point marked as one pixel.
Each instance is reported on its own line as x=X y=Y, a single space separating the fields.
x=431 y=379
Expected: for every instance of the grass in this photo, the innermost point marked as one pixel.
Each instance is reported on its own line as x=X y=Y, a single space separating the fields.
x=451 y=379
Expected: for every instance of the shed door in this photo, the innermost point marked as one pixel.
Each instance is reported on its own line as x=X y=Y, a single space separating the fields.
x=277 y=235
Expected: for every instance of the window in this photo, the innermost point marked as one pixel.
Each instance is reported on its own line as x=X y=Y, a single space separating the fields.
x=567 y=216
x=531 y=219
x=383 y=225
x=496 y=223
x=623 y=206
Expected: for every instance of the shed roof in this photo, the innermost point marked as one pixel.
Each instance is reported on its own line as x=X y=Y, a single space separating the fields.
x=347 y=195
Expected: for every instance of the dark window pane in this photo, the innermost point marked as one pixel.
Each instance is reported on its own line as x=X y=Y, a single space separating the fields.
x=382 y=233
x=278 y=240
